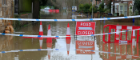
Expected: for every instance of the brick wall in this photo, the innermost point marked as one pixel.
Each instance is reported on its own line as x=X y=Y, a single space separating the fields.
x=6 y=11
x=6 y=8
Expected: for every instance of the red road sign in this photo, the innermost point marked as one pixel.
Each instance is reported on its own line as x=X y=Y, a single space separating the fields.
x=85 y=28
x=84 y=47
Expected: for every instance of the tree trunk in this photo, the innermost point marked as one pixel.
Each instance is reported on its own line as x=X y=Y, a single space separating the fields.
x=36 y=9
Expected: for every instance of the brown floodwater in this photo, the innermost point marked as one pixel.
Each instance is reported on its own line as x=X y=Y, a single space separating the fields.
x=80 y=48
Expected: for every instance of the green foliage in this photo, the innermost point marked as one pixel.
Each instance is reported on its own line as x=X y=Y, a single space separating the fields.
x=81 y=6
x=86 y=8
x=107 y=11
x=131 y=7
x=121 y=15
x=109 y=6
x=42 y=7
x=137 y=5
x=101 y=8
x=94 y=9
x=26 y=6
x=43 y=2
x=136 y=12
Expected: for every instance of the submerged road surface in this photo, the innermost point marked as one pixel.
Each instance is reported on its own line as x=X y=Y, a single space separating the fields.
x=81 y=48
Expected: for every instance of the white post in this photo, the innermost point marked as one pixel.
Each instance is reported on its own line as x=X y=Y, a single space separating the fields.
x=111 y=7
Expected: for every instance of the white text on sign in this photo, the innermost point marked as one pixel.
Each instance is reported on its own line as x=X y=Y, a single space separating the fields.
x=85 y=24
x=85 y=32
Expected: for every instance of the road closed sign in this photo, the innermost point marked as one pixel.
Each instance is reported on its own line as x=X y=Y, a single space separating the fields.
x=85 y=28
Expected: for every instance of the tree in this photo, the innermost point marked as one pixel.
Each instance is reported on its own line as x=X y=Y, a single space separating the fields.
x=101 y=8
x=36 y=9
x=94 y=9
x=109 y=6
x=43 y=2
x=84 y=8
x=137 y=5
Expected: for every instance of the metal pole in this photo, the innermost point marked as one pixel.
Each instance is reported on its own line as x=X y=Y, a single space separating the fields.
x=91 y=56
x=72 y=7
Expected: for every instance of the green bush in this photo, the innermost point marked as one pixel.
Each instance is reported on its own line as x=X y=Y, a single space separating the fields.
x=101 y=8
x=42 y=7
x=137 y=5
x=87 y=8
x=122 y=15
x=109 y=6
x=94 y=9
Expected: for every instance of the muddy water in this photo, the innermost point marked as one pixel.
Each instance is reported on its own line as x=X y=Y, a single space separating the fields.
x=80 y=48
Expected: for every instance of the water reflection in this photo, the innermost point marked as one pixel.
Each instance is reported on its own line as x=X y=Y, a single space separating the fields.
x=49 y=46
x=85 y=47
x=81 y=50
x=40 y=42
x=120 y=51
x=68 y=41
x=6 y=44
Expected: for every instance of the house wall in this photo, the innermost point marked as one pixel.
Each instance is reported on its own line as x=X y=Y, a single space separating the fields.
x=6 y=11
x=118 y=2
x=6 y=8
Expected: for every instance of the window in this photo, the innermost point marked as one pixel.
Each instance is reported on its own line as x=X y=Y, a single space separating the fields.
x=4 y=11
x=4 y=2
x=121 y=12
x=123 y=9
x=116 y=8
x=125 y=13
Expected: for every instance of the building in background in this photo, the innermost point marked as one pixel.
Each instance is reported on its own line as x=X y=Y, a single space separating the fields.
x=6 y=8
x=123 y=7
x=120 y=7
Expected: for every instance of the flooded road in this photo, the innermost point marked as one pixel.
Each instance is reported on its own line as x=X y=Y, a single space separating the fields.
x=64 y=49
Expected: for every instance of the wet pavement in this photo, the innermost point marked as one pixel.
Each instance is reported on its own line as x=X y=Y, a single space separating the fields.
x=80 y=48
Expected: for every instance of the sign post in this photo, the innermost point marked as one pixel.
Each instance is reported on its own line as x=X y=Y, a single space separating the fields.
x=74 y=8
